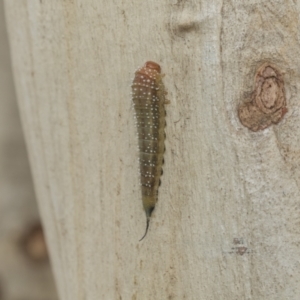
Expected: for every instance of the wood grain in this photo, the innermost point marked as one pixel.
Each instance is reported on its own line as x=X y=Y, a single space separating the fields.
x=24 y=273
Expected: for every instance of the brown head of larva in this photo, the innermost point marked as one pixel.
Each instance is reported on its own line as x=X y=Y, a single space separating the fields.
x=267 y=105
x=153 y=66
x=150 y=69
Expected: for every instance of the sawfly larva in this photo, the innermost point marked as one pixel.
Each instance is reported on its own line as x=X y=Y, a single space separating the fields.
x=148 y=95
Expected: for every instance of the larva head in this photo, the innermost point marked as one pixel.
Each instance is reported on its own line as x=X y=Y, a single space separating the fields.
x=147 y=75
x=152 y=65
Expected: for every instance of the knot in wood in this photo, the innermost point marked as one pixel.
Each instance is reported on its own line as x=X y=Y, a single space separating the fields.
x=268 y=104
x=269 y=90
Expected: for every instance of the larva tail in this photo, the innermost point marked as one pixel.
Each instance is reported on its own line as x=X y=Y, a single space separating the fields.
x=147 y=226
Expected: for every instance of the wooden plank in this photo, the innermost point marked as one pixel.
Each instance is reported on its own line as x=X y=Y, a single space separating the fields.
x=226 y=224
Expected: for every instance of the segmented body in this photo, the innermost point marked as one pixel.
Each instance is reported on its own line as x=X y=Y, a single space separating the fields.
x=148 y=95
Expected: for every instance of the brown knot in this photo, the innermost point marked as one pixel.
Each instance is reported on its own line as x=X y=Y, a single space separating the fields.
x=267 y=104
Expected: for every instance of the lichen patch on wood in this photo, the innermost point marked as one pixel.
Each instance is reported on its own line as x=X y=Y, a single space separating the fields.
x=267 y=104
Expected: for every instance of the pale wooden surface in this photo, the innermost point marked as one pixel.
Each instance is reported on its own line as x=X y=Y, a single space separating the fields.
x=227 y=222
x=20 y=277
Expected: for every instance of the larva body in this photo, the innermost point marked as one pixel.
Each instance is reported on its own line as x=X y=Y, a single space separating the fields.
x=148 y=95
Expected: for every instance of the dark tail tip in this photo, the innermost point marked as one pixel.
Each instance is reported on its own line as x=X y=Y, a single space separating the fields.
x=147 y=226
